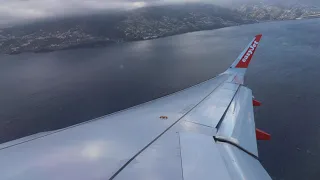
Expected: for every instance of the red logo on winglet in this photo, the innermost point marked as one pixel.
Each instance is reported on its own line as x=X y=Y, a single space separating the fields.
x=246 y=58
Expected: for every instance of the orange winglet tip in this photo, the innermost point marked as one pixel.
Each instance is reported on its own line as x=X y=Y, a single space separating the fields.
x=256 y=103
x=261 y=135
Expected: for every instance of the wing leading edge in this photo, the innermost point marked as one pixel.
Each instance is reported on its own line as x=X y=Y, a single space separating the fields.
x=208 y=135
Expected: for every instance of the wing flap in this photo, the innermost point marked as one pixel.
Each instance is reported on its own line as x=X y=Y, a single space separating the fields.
x=240 y=164
x=201 y=158
x=162 y=159
x=238 y=126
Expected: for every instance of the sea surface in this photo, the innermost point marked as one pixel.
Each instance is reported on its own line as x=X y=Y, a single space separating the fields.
x=43 y=92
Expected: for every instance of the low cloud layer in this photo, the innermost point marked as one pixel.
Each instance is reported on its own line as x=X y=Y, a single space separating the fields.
x=17 y=11
x=12 y=11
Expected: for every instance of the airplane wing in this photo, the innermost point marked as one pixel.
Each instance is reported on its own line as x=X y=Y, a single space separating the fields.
x=204 y=132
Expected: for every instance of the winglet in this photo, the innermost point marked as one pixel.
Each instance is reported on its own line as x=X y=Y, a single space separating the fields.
x=245 y=57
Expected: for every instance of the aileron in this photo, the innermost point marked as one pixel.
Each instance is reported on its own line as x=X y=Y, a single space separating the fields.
x=238 y=125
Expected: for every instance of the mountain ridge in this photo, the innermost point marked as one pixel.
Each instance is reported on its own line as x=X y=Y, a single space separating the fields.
x=102 y=29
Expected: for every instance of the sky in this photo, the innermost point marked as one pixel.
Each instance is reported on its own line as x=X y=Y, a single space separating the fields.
x=17 y=11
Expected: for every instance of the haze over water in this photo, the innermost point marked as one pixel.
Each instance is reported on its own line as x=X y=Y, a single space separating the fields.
x=42 y=92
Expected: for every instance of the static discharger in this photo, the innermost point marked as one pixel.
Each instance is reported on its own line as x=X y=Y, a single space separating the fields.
x=261 y=135
x=256 y=103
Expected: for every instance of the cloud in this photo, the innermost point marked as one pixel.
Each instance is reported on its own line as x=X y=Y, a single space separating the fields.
x=13 y=11
x=17 y=11
x=23 y=10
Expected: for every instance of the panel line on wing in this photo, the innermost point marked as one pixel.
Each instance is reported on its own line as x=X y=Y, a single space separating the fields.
x=181 y=157
x=224 y=114
x=199 y=124
x=201 y=158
